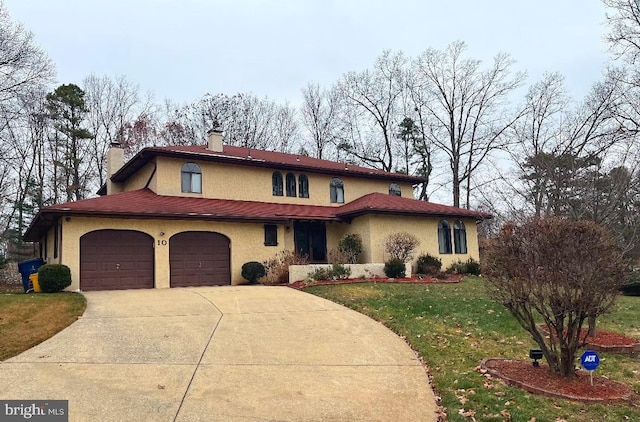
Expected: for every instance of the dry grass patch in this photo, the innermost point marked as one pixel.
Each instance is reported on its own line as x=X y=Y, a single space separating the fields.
x=29 y=319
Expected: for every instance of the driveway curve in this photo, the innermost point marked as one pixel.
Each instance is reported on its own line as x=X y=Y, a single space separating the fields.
x=240 y=353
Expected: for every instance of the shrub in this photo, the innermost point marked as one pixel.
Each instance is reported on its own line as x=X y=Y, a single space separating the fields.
x=337 y=271
x=631 y=287
x=336 y=256
x=401 y=246
x=351 y=246
x=54 y=277
x=472 y=267
x=320 y=273
x=252 y=271
x=278 y=267
x=428 y=264
x=441 y=275
x=340 y=271
x=394 y=268
x=457 y=267
x=557 y=272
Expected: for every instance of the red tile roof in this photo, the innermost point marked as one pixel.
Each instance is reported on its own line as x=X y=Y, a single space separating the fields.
x=257 y=158
x=383 y=203
x=146 y=204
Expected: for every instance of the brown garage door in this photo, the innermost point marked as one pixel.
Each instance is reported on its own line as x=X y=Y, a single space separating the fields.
x=199 y=259
x=116 y=260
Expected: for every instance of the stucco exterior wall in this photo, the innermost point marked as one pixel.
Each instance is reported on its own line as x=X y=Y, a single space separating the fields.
x=247 y=242
x=425 y=229
x=226 y=181
x=143 y=177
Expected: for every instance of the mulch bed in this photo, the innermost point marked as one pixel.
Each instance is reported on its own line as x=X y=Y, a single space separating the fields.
x=453 y=278
x=606 y=341
x=541 y=380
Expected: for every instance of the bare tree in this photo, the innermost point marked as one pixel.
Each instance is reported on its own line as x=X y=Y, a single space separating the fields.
x=623 y=19
x=23 y=65
x=320 y=116
x=372 y=110
x=464 y=108
x=112 y=104
x=557 y=271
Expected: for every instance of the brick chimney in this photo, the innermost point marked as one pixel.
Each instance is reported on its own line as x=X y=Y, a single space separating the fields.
x=115 y=160
x=214 y=140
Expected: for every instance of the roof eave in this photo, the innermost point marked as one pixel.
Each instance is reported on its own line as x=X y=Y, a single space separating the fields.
x=147 y=154
x=373 y=210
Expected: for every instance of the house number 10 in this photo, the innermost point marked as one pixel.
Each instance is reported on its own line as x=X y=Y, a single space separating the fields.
x=162 y=242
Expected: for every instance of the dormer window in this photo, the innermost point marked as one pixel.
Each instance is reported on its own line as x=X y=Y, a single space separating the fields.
x=336 y=191
x=394 y=190
x=191 y=177
x=291 y=184
x=276 y=182
x=303 y=186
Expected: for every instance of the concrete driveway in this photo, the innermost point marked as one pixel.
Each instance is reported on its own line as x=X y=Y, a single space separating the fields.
x=245 y=353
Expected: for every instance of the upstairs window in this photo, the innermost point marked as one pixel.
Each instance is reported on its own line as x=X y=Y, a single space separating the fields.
x=191 y=178
x=459 y=237
x=444 y=237
x=276 y=182
x=303 y=186
x=394 y=190
x=336 y=191
x=291 y=184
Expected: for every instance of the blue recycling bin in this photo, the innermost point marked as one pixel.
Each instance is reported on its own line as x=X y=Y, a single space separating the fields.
x=28 y=267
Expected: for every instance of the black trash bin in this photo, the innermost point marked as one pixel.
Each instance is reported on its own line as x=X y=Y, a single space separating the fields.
x=28 y=267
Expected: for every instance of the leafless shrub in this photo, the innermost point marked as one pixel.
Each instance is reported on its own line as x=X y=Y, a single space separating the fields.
x=278 y=267
x=561 y=270
x=401 y=246
x=337 y=256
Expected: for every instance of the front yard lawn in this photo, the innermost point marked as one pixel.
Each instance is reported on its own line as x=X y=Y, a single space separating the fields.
x=454 y=326
x=30 y=319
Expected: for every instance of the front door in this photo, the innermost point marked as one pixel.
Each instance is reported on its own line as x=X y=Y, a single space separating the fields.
x=311 y=240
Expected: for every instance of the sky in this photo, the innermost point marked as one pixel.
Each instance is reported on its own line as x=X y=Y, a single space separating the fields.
x=183 y=49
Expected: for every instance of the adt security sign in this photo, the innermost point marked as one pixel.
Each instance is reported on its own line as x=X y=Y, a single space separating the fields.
x=590 y=360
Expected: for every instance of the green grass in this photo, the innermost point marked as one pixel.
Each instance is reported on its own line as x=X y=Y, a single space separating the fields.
x=29 y=319
x=454 y=326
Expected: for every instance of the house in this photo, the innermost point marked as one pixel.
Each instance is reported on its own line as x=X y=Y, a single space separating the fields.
x=192 y=215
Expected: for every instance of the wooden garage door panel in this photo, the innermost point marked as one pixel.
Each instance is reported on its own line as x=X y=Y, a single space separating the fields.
x=199 y=259
x=115 y=260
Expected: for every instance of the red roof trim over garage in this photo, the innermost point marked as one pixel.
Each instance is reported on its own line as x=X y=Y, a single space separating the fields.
x=146 y=204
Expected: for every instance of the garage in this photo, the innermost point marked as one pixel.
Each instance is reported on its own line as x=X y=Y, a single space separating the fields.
x=116 y=260
x=199 y=259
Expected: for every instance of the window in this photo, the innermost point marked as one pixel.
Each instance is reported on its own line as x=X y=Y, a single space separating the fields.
x=270 y=235
x=444 y=237
x=276 y=182
x=291 y=184
x=336 y=191
x=191 y=178
x=459 y=237
x=394 y=190
x=303 y=186
x=55 y=240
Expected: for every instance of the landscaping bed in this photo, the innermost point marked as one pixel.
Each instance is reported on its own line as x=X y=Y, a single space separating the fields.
x=540 y=380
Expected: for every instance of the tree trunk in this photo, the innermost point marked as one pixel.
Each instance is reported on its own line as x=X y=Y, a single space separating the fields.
x=592 y=326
